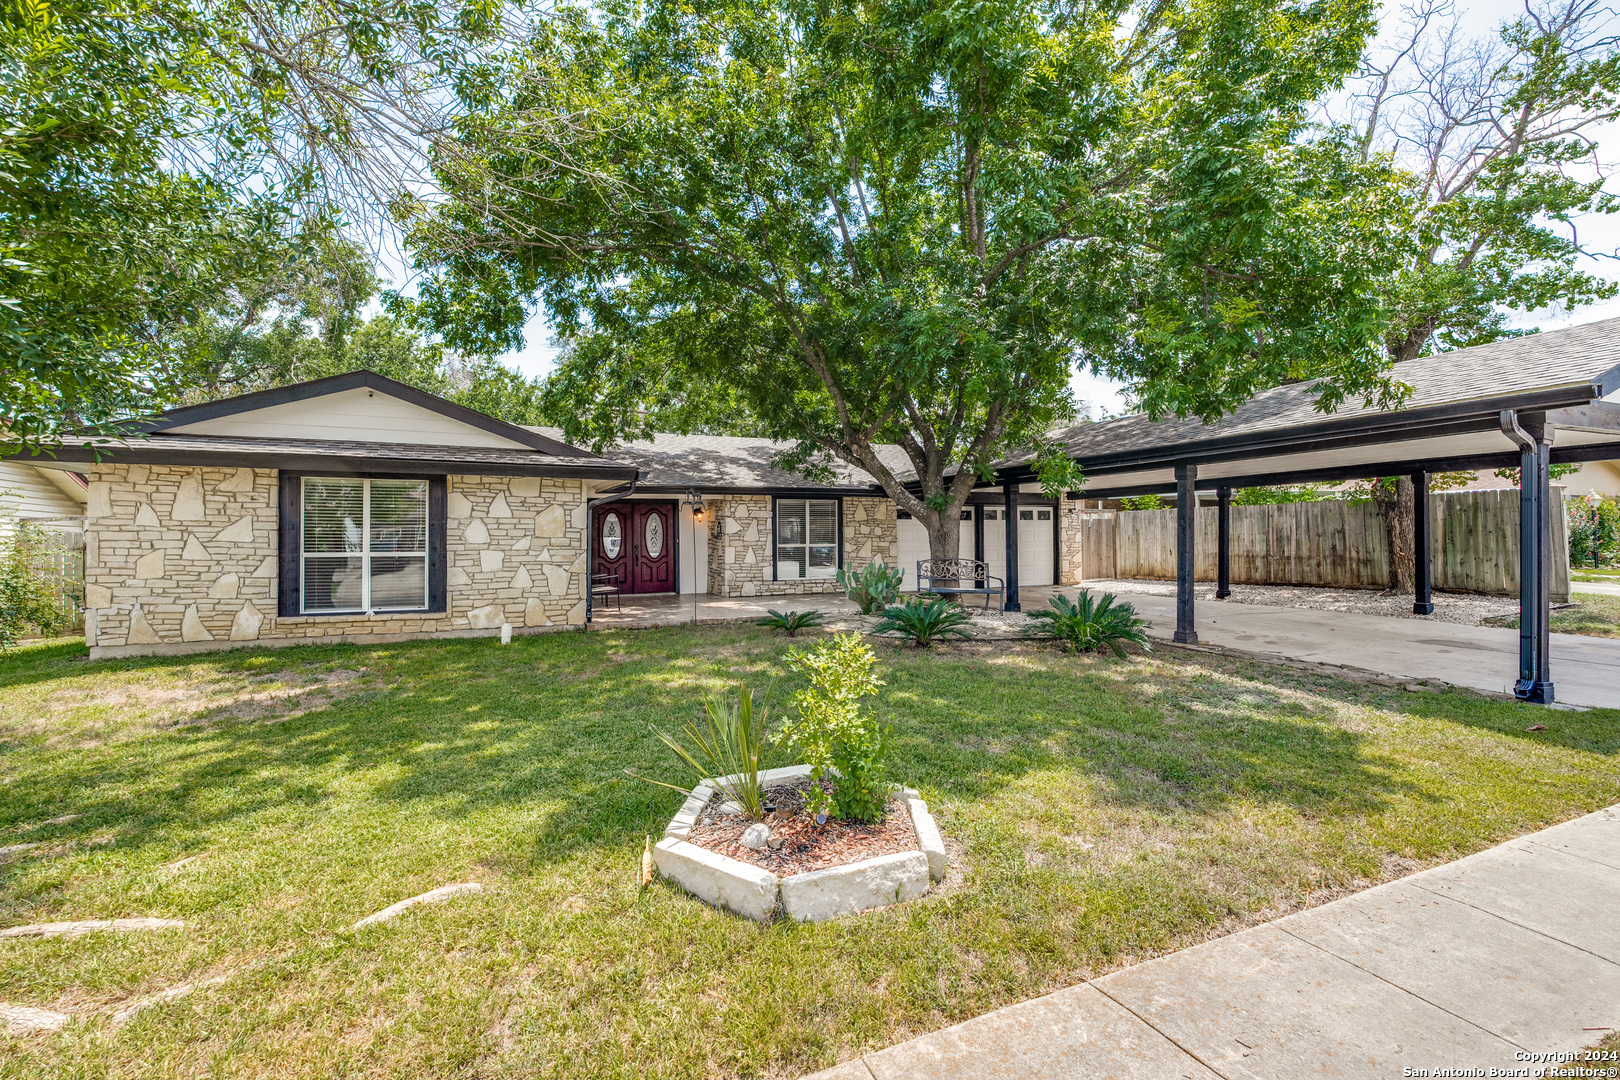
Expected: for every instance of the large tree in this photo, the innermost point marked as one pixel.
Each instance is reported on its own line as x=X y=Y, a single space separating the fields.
x=1490 y=135
x=162 y=159
x=905 y=221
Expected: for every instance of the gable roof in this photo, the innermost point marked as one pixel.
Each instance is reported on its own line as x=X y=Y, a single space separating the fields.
x=190 y=416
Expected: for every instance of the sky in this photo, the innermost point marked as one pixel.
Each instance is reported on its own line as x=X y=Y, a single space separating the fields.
x=1103 y=395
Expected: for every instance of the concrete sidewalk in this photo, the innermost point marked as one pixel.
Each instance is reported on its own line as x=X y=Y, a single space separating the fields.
x=1473 y=965
x=1585 y=670
x=1602 y=588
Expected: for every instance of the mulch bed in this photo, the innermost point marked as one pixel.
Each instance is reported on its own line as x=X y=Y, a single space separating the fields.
x=806 y=846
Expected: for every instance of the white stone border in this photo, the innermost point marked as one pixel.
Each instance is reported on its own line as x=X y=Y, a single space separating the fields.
x=810 y=897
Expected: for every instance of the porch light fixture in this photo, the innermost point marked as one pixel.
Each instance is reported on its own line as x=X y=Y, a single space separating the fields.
x=694 y=502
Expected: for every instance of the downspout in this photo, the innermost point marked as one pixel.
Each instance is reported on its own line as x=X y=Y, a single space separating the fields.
x=1535 y=680
x=590 y=539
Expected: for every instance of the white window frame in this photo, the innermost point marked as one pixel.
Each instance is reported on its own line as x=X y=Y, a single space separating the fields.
x=365 y=553
x=777 y=546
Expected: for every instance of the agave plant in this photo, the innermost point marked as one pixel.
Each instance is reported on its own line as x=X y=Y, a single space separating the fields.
x=728 y=748
x=1091 y=625
x=791 y=622
x=873 y=587
x=925 y=622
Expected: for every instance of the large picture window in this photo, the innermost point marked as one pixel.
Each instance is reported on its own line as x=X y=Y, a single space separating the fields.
x=806 y=538
x=363 y=545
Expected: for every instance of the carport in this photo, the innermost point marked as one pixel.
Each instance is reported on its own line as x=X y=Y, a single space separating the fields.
x=1527 y=402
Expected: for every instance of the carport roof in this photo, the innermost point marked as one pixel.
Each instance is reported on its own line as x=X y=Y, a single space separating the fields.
x=1449 y=421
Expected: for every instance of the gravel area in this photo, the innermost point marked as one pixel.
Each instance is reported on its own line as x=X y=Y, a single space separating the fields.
x=806 y=846
x=1468 y=609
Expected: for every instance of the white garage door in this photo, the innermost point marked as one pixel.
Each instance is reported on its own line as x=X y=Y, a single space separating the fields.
x=914 y=545
x=1034 y=544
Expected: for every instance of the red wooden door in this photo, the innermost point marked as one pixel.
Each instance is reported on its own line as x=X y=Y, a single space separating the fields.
x=652 y=548
x=612 y=532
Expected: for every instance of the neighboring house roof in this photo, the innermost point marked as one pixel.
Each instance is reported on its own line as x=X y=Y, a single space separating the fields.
x=723 y=462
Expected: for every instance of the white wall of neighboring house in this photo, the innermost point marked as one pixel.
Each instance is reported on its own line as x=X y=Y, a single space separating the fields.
x=39 y=494
x=1602 y=477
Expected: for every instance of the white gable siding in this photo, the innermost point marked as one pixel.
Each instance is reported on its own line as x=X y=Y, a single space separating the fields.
x=30 y=493
x=358 y=415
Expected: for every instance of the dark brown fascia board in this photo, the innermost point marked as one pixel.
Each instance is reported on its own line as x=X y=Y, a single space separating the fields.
x=352 y=380
x=331 y=463
x=1448 y=419
x=783 y=492
x=1341 y=474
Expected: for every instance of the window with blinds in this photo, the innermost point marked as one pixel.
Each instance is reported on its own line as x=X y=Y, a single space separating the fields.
x=364 y=544
x=806 y=538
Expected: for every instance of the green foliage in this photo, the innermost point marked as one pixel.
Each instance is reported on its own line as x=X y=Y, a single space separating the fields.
x=1594 y=531
x=1270 y=496
x=873 y=587
x=835 y=735
x=28 y=598
x=1557 y=471
x=903 y=222
x=925 y=621
x=791 y=622
x=729 y=748
x=1091 y=625
x=1480 y=138
x=1142 y=502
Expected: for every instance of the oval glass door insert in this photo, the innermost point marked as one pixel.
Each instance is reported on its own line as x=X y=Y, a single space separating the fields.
x=612 y=542
x=655 y=535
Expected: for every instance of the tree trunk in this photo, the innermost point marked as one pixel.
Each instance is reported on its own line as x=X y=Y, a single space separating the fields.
x=944 y=534
x=1393 y=497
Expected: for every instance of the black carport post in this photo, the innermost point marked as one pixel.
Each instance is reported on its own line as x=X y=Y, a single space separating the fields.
x=1009 y=499
x=1186 y=537
x=1422 y=547
x=1223 y=556
x=1535 y=551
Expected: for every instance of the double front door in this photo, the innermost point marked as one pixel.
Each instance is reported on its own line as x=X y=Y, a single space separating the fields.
x=636 y=541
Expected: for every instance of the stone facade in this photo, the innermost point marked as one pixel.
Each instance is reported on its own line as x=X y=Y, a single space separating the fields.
x=1069 y=541
x=740 y=544
x=180 y=558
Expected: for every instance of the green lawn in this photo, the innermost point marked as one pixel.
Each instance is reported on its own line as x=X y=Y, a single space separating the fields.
x=1102 y=812
x=1591 y=614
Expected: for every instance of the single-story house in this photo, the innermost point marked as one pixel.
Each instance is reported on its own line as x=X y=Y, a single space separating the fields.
x=358 y=508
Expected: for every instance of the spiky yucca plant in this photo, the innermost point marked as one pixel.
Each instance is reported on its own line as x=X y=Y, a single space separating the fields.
x=1091 y=625
x=925 y=622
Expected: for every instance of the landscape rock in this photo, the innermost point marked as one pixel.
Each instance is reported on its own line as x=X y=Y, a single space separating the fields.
x=849 y=890
x=23 y=1020
x=928 y=838
x=718 y=880
x=756 y=836
x=91 y=926
x=432 y=896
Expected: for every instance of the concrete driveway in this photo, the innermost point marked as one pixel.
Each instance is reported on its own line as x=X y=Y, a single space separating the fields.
x=1585 y=670
x=1478 y=965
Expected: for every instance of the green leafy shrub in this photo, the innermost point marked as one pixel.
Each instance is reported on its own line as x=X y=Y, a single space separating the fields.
x=28 y=599
x=1594 y=531
x=836 y=736
x=925 y=622
x=873 y=587
x=1091 y=625
x=731 y=743
x=791 y=622
x=1141 y=502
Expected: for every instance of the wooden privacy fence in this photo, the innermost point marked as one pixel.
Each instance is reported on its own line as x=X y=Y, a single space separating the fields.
x=1475 y=544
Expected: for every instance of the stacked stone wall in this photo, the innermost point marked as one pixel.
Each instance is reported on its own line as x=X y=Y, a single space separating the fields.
x=181 y=558
x=1070 y=539
x=740 y=545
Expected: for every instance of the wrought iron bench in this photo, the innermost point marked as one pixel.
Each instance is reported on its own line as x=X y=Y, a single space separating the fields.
x=954 y=573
